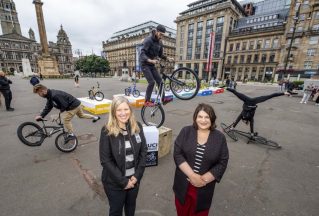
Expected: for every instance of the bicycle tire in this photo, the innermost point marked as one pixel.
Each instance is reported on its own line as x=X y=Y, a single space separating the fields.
x=136 y=93
x=273 y=144
x=229 y=132
x=64 y=146
x=153 y=116
x=264 y=141
x=188 y=74
x=37 y=132
x=99 y=96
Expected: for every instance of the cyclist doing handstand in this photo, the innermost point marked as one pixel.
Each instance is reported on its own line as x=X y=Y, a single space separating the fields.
x=152 y=49
x=249 y=107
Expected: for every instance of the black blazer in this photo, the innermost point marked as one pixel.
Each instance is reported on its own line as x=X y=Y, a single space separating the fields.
x=112 y=157
x=215 y=160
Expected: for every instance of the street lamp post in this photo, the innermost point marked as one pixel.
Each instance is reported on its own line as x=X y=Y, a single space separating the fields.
x=296 y=20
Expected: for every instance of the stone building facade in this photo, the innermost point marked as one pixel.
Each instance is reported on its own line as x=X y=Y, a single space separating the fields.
x=254 y=47
x=121 y=49
x=194 y=27
x=303 y=60
x=14 y=46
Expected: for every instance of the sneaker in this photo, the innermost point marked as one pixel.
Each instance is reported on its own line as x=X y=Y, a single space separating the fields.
x=96 y=118
x=166 y=101
x=10 y=109
x=149 y=104
x=70 y=136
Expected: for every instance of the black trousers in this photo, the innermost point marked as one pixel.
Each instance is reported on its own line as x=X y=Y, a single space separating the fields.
x=121 y=198
x=151 y=76
x=7 y=94
x=251 y=122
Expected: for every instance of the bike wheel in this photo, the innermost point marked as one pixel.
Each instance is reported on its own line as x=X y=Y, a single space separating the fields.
x=30 y=134
x=264 y=141
x=228 y=131
x=180 y=78
x=153 y=116
x=136 y=93
x=99 y=96
x=65 y=145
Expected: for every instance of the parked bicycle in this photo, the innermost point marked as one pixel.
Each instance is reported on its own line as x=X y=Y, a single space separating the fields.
x=95 y=93
x=132 y=90
x=179 y=79
x=232 y=133
x=33 y=134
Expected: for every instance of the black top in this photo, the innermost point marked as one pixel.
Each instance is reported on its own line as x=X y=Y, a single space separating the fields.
x=215 y=159
x=152 y=48
x=5 y=83
x=112 y=157
x=60 y=100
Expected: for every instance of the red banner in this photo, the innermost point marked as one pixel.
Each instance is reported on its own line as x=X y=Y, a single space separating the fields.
x=210 y=52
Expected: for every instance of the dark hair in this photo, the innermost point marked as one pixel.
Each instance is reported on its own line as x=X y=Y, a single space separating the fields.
x=161 y=28
x=207 y=109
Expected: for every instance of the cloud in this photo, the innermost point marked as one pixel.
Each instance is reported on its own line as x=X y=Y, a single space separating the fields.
x=88 y=23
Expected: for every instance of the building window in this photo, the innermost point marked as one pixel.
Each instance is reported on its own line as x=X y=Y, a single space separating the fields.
x=229 y=59
x=297 y=41
x=237 y=46
x=249 y=59
x=315 y=27
x=220 y=20
x=263 y=58
x=308 y=64
x=244 y=45
x=231 y=46
x=272 y=57
x=311 y=52
x=313 y=40
x=299 y=29
x=267 y=43
x=317 y=15
x=256 y=58
x=251 y=45
x=235 y=59
x=242 y=59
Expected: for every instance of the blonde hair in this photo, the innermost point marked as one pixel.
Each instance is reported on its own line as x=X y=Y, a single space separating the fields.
x=39 y=87
x=2 y=73
x=112 y=125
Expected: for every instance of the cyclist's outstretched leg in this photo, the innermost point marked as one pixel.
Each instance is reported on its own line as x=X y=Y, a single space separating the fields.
x=236 y=122
x=252 y=127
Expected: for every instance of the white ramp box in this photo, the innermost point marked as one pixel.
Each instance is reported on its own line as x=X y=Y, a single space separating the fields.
x=151 y=134
x=96 y=107
x=26 y=67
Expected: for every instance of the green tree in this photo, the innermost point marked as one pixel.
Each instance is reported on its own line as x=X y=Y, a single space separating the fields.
x=92 y=64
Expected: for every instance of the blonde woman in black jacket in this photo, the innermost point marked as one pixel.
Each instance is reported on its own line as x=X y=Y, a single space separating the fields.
x=201 y=157
x=122 y=155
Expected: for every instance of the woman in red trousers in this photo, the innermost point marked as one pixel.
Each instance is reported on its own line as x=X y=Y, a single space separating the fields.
x=201 y=157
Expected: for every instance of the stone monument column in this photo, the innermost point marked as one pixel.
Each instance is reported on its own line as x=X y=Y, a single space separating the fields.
x=47 y=64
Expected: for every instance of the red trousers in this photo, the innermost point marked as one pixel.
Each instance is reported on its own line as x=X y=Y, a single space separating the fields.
x=189 y=208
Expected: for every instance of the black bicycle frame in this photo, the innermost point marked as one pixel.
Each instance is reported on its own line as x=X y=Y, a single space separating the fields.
x=55 y=130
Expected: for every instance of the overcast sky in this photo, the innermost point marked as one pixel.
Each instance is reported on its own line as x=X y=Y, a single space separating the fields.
x=89 y=22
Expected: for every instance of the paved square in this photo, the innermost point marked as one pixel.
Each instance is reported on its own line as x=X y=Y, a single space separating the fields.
x=258 y=181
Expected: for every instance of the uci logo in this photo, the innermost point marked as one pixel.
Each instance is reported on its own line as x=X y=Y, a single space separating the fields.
x=152 y=145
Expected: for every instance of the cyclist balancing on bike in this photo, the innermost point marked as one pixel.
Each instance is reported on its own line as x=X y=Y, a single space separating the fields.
x=152 y=49
x=65 y=103
x=249 y=107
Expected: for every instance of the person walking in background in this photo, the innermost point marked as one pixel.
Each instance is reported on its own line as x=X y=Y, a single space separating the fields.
x=65 y=103
x=201 y=157
x=76 y=81
x=123 y=157
x=307 y=93
x=152 y=49
x=5 y=90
